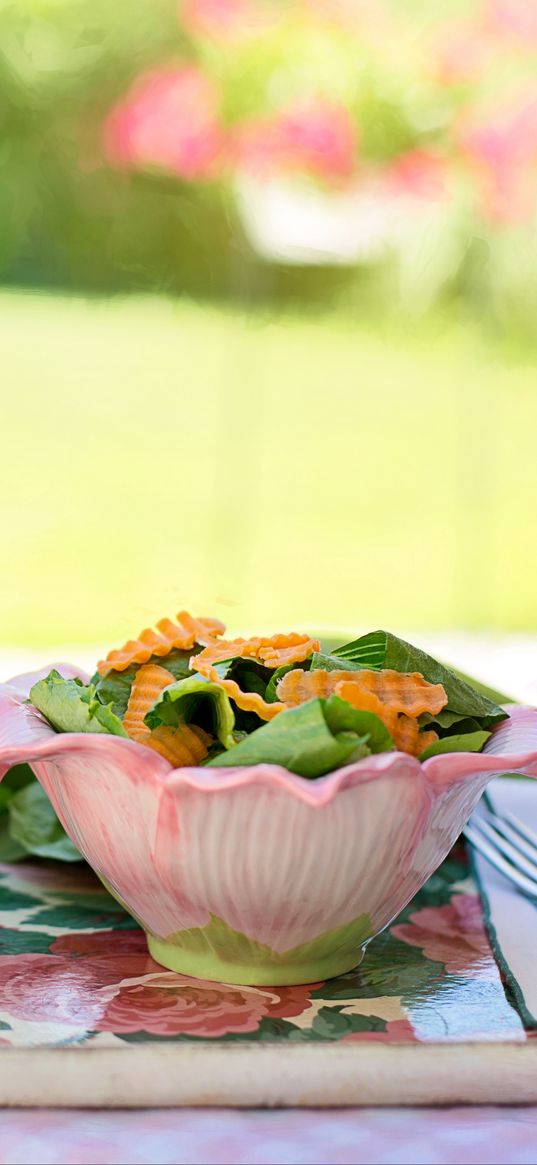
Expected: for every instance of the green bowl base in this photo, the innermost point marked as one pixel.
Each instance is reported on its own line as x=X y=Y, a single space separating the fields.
x=205 y=964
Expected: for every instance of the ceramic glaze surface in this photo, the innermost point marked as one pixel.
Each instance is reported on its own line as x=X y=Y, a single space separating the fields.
x=253 y=874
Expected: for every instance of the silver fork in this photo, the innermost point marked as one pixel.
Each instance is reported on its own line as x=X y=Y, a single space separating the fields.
x=507 y=843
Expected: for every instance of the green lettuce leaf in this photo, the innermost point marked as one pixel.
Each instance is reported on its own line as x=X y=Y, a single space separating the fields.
x=10 y=850
x=321 y=659
x=114 y=689
x=342 y=717
x=381 y=649
x=251 y=676
x=195 y=700
x=33 y=825
x=271 y=694
x=465 y=742
x=177 y=661
x=449 y=721
x=313 y=739
x=71 y=706
x=106 y=717
x=28 y=823
x=16 y=778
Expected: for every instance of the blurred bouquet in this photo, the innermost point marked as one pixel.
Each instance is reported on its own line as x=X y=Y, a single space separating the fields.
x=343 y=132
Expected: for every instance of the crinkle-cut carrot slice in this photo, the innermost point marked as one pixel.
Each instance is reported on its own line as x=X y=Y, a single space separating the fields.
x=404 y=730
x=366 y=701
x=298 y=685
x=408 y=738
x=185 y=745
x=248 y=701
x=396 y=698
x=251 y=701
x=149 y=681
x=273 y=652
x=183 y=634
x=406 y=692
x=224 y=649
x=283 y=649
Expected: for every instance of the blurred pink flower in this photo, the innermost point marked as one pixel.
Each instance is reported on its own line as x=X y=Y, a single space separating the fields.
x=228 y=20
x=363 y=16
x=513 y=18
x=419 y=173
x=503 y=155
x=169 y=119
x=461 y=51
x=317 y=138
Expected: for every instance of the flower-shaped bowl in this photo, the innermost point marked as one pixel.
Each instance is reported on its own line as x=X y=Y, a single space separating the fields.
x=254 y=875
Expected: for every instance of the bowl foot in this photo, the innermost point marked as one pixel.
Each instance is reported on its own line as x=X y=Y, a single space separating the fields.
x=207 y=964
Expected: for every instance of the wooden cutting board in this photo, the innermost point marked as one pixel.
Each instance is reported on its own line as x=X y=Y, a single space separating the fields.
x=87 y=1019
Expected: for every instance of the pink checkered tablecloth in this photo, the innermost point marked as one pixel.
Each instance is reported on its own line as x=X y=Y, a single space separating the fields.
x=452 y=1136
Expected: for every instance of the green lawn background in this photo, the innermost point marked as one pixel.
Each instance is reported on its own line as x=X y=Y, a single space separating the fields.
x=284 y=471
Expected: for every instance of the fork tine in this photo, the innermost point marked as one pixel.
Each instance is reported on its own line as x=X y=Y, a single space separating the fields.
x=510 y=851
x=524 y=830
x=504 y=824
x=495 y=858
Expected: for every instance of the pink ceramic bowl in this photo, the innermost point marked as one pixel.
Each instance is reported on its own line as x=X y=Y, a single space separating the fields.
x=254 y=875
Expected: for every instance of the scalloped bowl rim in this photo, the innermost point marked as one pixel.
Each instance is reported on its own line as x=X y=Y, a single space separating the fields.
x=438 y=772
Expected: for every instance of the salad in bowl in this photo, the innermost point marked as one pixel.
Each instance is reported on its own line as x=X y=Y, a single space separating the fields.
x=261 y=806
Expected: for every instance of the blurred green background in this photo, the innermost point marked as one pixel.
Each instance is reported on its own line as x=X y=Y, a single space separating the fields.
x=267 y=323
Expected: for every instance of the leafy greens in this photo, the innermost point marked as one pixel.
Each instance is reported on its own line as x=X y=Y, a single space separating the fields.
x=467 y=742
x=115 y=687
x=311 y=740
x=381 y=649
x=71 y=706
x=28 y=823
x=34 y=825
x=195 y=699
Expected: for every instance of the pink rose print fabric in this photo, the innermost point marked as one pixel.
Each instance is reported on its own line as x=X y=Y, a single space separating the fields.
x=108 y=982
x=454 y=935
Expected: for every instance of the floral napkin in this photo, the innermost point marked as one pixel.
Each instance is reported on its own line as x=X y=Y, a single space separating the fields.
x=511 y=918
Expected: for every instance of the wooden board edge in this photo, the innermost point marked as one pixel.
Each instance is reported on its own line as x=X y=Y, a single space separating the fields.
x=244 y=1077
